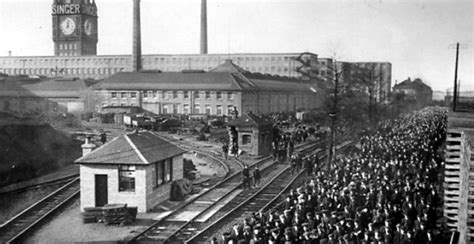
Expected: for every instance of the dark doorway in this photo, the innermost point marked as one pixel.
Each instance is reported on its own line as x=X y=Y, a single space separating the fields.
x=100 y=190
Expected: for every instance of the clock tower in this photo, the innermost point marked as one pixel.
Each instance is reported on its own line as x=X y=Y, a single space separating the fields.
x=74 y=27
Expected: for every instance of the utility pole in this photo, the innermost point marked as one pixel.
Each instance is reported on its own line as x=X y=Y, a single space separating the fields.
x=333 y=115
x=455 y=92
x=456 y=82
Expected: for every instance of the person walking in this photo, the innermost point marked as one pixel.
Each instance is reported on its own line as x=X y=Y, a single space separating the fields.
x=256 y=177
x=245 y=177
x=225 y=150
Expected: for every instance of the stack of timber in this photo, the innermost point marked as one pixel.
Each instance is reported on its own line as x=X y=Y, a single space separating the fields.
x=110 y=214
x=116 y=214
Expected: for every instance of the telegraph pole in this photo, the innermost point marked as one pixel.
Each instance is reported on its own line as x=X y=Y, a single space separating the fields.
x=333 y=115
x=455 y=92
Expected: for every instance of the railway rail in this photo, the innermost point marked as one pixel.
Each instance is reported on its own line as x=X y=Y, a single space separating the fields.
x=261 y=200
x=15 y=229
x=171 y=227
x=57 y=181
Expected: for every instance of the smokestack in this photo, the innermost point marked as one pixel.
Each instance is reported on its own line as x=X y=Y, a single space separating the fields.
x=203 y=27
x=137 y=39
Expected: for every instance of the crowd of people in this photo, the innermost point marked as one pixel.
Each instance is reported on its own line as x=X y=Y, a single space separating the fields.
x=388 y=190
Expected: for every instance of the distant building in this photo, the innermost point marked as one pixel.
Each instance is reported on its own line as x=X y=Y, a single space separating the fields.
x=133 y=169
x=216 y=92
x=34 y=96
x=103 y=66
x=415 y=91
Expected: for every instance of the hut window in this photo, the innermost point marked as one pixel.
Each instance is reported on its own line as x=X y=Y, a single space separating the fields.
x=127 y=178
x=164 y=171
x=246 y=139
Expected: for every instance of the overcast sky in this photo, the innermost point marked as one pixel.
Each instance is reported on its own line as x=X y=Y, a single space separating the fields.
x=416 y=36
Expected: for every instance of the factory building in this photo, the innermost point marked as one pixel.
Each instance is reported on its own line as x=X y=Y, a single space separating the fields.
x=217 y=92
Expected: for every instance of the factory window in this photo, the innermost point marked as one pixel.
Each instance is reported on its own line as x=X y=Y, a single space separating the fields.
x=196 y=94
x=246 y=139
x=219 y=95
x=133 y=95
x=175 y=94
x=175 y=109
x=219 y=109
x=145 y=94
x=208 y=94
x=165 y=109
x=123 y=95
x=186 y=108
x=230 y=96
x=127 y=178
x=113 y=95
x=60 y=46
x=150 y=94
x=196 y=109
x=165 y=94
x=208 y=109
x=186 y=94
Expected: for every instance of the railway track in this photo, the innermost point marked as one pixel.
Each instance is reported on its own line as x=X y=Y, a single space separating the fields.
x=58 y=181
x=172 y=228
x=15 y=229
x=261 y=200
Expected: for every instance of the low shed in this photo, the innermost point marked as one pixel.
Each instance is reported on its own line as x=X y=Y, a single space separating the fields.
x=136 y=169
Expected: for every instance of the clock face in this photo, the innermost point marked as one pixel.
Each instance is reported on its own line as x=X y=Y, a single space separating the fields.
x=68 y=26
x=88 y=27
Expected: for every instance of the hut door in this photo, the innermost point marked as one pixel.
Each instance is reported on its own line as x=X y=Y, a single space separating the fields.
x=100 y=190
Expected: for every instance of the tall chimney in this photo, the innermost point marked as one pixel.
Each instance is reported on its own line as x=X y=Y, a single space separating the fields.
x=203 y=27
x=137 y=39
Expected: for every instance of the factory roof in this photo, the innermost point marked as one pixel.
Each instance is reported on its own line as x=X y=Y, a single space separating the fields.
x=249 y=120
x=40 y=87
x=142 y=148
x=227 y=77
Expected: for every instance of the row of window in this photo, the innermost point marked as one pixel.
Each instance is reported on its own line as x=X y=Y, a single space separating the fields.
x=62 y=71
x=163 y=174
x=183 y=63
x=72 y=61
x=68 y=54
x=174 y=94
x=186 y=109
x=68 y=46
x=198 y=109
